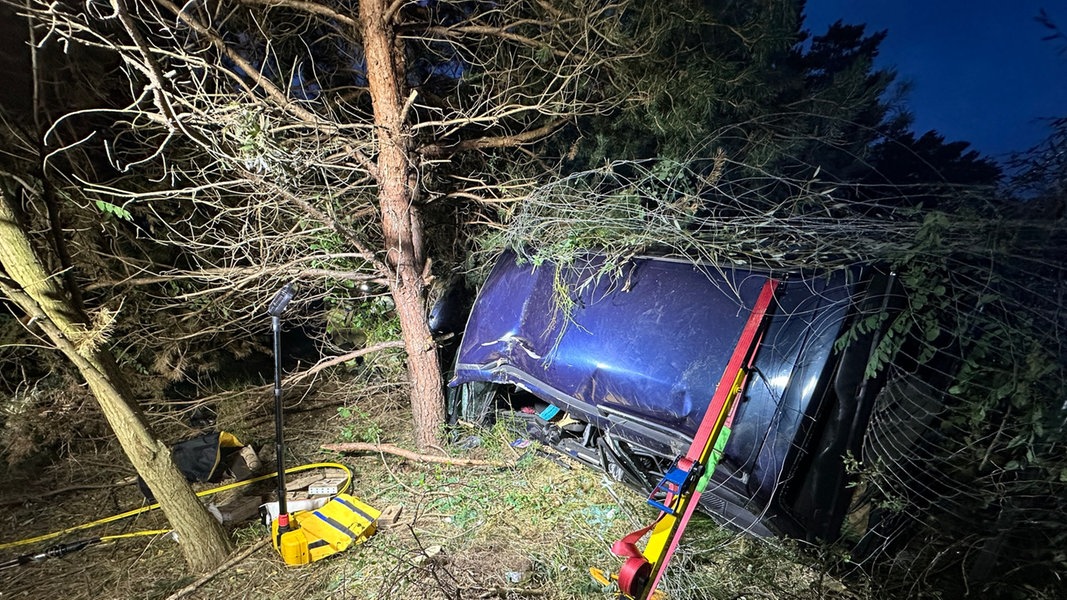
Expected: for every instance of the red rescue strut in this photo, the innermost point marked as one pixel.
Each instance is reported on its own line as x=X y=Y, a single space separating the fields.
x=690 y=475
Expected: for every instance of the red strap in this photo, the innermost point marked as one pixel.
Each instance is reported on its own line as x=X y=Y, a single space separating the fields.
x=627 y=546
x=634 y=574
x=636 y=569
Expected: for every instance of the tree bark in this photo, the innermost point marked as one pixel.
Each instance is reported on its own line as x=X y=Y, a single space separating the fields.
x=401 y=222
x=202 y=540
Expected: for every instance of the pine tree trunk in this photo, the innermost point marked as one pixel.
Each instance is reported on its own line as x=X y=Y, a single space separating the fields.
x=202 y=540
x=401 y=221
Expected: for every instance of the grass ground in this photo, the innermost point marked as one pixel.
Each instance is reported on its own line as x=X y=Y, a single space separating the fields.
x=528 y=531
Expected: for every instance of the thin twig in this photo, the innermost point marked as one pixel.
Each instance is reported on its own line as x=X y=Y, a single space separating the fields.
x=507 y=592
x=309 y=7
x=337 y=360
x=69 y=488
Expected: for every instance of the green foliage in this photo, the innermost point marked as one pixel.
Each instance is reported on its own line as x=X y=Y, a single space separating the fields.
x=747 y=79
x=357 y=426
x=114 y=210
x=708 y=210
x=974 y=323
x=354 y=320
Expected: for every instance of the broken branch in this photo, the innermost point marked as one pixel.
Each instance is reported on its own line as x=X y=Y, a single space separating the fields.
x=415 y=456
x=192 y=587
x=343 y=359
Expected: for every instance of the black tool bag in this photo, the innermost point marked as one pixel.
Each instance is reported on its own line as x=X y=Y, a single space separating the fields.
x=199 y=458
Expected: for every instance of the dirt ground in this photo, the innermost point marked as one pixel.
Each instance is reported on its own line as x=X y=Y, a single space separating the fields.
x=530 y=530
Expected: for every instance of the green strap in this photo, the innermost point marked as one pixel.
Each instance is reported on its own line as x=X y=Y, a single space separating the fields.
x=713 y=459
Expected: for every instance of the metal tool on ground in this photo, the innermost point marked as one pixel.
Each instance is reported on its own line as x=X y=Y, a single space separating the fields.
x=280 y=528
x=678 y=494
x=306 y=536
x=66 y=548
x=309 y=535
x=51 y=552
x=326 y=487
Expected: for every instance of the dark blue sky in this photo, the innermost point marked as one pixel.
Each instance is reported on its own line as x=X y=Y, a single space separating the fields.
x=979 y=68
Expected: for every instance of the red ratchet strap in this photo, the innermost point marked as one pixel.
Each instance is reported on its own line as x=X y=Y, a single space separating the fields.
x=687 y=479
x=636 y=570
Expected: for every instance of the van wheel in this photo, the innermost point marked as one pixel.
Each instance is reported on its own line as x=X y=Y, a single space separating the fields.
x=902 y=427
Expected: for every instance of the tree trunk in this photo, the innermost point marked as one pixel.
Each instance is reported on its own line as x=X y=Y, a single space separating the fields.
x=40 y=295
x=401 y=222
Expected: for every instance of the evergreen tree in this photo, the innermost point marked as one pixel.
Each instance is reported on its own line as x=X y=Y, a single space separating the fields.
x=748 y=79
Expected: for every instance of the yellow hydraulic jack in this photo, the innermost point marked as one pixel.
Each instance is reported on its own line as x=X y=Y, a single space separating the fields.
x=310 y=535
x=688 y=478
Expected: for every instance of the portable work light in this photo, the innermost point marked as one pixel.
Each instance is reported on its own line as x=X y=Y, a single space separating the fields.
x=310 y=535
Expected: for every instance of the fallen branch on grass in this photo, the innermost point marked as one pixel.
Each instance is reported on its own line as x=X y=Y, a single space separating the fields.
x=415 y=456
x=192 y=587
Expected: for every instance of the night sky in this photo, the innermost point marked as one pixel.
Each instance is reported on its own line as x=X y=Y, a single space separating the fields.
x=979 y=68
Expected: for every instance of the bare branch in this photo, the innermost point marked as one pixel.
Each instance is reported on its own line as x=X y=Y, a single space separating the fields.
x=229 y=274
x=279 y=98
x=149 y=67
x=311 y=7
x=339 y=360
x=415 y=456
x=486 y=143
x=504 y=33
x=229 y=564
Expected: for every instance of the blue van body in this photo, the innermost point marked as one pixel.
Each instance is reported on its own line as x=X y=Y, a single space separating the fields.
x=631 y=355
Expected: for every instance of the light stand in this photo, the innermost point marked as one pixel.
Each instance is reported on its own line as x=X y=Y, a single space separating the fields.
x=275 y=310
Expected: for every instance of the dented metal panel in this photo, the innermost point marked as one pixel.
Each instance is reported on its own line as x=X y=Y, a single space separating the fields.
x=637 y=352
x=651 y=342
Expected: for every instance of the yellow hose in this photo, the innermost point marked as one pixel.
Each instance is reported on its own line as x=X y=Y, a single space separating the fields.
x=144 y=509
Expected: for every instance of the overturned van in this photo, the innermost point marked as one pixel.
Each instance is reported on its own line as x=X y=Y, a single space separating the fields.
x=616 y=366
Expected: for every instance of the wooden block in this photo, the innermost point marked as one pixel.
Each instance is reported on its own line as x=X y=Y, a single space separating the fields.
x=240 y=509
x=390 y=516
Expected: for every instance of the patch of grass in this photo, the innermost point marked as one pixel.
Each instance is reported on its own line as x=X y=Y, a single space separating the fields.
x=531 y=530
